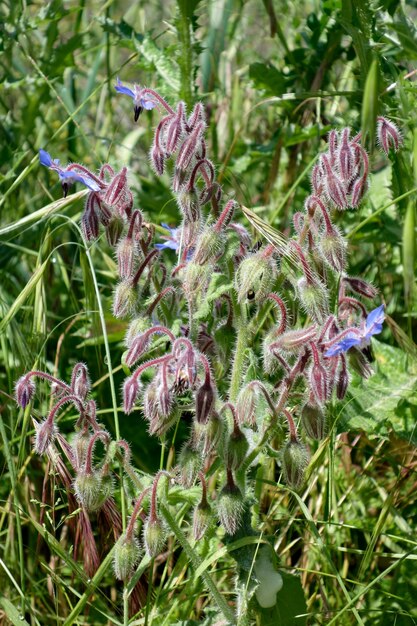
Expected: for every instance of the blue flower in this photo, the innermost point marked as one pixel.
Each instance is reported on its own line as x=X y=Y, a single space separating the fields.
x=359 y=336
x=137 y=94
x=172 y=242
x=67 y=177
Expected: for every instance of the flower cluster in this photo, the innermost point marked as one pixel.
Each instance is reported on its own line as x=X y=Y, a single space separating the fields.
x=189 y=345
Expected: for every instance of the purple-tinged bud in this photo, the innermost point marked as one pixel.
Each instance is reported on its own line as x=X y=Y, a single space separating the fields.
x=360 y=286
x=205 y=396
x=165 y=400
x=318 y=377
x=81 y=444
x=131 y=389
x=80 y=381
x=116 y=191
x=154 y=536
x=342 y=379
x=174 y=130
x=189 y=148
x=295 y=340
x=89 y=224
x=189 y=205
x=126 y=254
x=126 y=556
x=317 y=179
x=314 y=421
x=202 y=520
x=114 y=229
x=189 y=464
x=389 y=137
x=157 y=160
x=333 y=249
x=195 y=278
x=137 y=347
x=209 y=246
x=255 y=276
x=333 y=139
x=197 y=115
x=360 y=187
x=230 y=505
x=45 y=432
x=226 y=216
x=334 y=187
x=314 y=298
x=24 y=390
x=294 y=462
x=136 y=327
x=125 y=299
x=346 y=157
x=150 y=403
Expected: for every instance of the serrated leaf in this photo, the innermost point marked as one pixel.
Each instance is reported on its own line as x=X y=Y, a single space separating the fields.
x=387 y=400
x=166 y=68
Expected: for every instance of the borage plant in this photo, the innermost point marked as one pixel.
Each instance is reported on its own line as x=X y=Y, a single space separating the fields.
x=255 y=341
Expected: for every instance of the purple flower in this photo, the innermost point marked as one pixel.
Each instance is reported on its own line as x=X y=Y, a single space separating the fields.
x=141 y=101
x=172 y=242
x=67 y=177
x=359 y=336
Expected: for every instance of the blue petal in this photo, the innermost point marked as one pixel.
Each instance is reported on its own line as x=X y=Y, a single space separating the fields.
x=147 y=104
x=377 y=316
x=171 y=245
x=121 y=89
x=45 y=158
x=73 y=177
x=342 y=346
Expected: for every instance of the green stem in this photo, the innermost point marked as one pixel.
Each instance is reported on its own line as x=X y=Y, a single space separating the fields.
x=196 y=562
x=241 y=345
x=186 y=60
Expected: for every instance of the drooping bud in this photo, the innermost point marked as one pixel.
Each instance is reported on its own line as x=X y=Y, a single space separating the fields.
x=126 y=254
x=209 y=246
x=208 y=435
x=80 y=381
x=333 y=248
x=294 y=340
x=24 y=390
x=360 y=286
x=346 y=157
x=126 y=556
x=92 y=489
x=189 y=463
x=189 y=204
x=136 y=327
x=255 y=276
x=45 y=433
x=131 y=389
x=204 y=399
x=342 y=382
x=230 y=506
x=202 y=520
x=314 y=298
x=114 y=229
x=294 y=462
x=237 y=448
x=389 y=137
x=314 y=421
x=195 y=278
x=89 y=224
x=125 y=299
x=318 y=377
x=154 y=536
x=246 y=405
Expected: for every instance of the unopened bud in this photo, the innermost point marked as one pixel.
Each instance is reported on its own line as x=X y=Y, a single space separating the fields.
x=294 y=462
x=209 y=245
x=342 y=379
x=314 y=298
x=126 y=253
x=314 y=421
x=114 y=229
x=136 y=327
x=89 y=224
x=131 y=390
x=246 y=405
x=92 y=490
x=389 y=137
x=80 y=381
x=126 y=556
x=333 y=249
x=208 y=435
x=204 y=401
x=294 y=340
x=237 y=448
x=360 y=286
x=125 y=299
x=165 y=400
x=45 y=433
x=255 y=277
x=189 y=463
x=154 y=536
x=189 y=205
x=230 y=508
x=202 y=519
x=24 y=390
x=195 y=278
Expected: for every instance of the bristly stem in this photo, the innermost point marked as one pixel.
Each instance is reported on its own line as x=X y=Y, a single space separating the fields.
x=241 y=345
x=186 y=57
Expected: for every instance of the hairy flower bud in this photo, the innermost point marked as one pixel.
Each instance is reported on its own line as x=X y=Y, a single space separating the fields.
x=230 y=507
x=333 y=249
x=204 y=401
x=154 y=536
x=255 y=277
x=92 y=489
x=114 y=229
x=202 y=519
x=125 y=299
x=126 y=556
x=126 y=254
x=189 y=463
x=131 y=390
x=195 y=278
x=236 y=448
x=389 y=137
x=136 y=327
x=45 y=433
x=294 y=461
x=209 y=246
x=24 y=390
x=246 y=405
x=314 y=298
x=360 y=286
x=189 y=205
x=294 y=340
x=80 y=383
x=342 y=382
x=314 y=421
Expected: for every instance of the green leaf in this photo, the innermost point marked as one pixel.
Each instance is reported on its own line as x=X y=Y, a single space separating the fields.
x=219 y=284
x=12 y=613
x=387 y=400
x=266 y=76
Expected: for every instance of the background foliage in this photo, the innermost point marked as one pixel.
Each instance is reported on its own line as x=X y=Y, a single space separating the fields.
x=274 y=76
